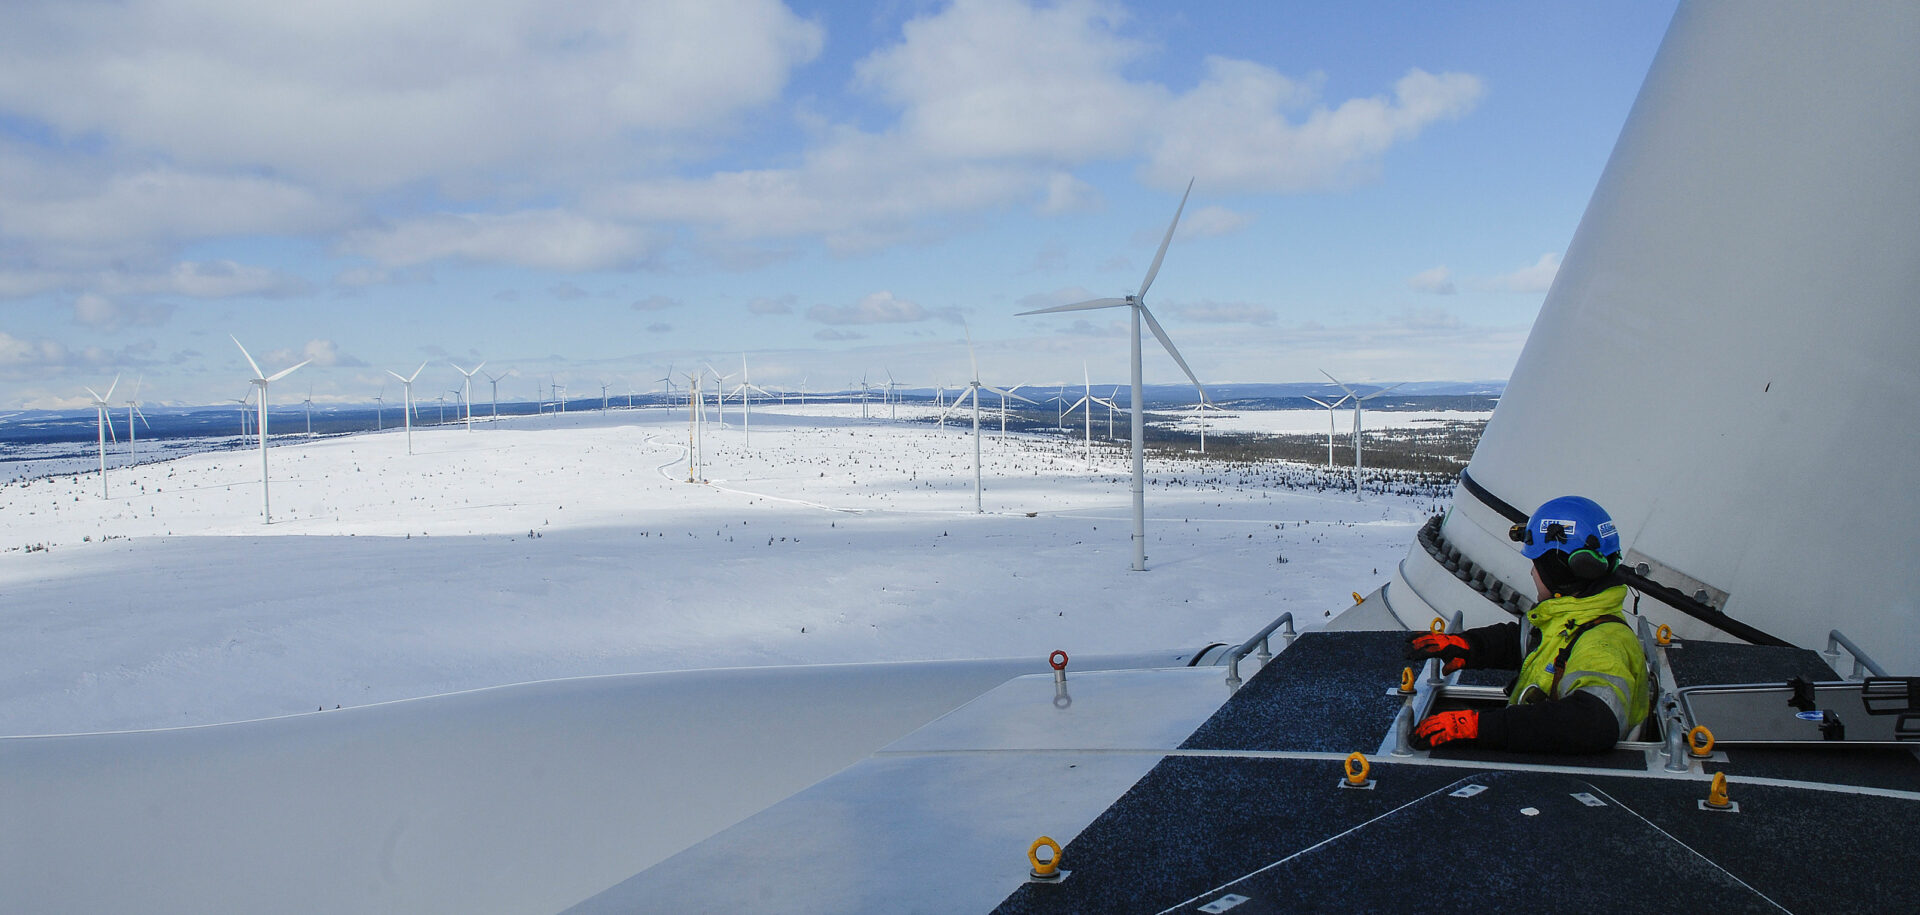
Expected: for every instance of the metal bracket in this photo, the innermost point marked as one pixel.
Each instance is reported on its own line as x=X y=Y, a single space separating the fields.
x=1661 y=573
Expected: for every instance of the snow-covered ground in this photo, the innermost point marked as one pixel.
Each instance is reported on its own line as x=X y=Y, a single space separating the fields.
x=546 y=547
x=1310 y=422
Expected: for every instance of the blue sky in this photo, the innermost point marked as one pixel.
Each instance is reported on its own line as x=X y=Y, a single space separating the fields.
x=599 y=190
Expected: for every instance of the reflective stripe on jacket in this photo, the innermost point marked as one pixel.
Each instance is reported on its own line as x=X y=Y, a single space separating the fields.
x=1606 y=660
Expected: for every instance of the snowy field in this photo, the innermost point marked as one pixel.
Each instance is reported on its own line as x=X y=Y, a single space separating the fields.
x=552 y=547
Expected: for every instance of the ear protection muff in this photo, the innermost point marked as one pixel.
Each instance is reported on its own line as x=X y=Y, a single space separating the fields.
x=1587 y=564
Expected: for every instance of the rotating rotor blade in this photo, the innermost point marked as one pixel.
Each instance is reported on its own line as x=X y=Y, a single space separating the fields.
x=284 y=373
x=416 y=373
x=108 y=417
x=1381 y=391
x=1321 y=402
x=143 y=416
x=1164 y=341
x=1008 y=393
x=1161 y=254
x=1077 y=306
x=243 y=351
x=1342 y=384
x=957 y=401
x=97 y=399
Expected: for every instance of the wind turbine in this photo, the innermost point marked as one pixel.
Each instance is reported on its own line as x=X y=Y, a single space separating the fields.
x=1085 y=406
x=264 y=380
x=1137 y=305
x=1200 y=414
x=407 y=382
x=1330 y=408
x=1357 y=401
x=133 y=410
x=696 y=417
x=380 y=409
x=604 y=387
x=973 y=391
x=105 y=424
x=669 y=382
x=893 y=401
x=466 y=391
x=495 y=380
x=1003 y=406
x=745 y=389
x=309 y=404
x=244 y=403
x=720 y=393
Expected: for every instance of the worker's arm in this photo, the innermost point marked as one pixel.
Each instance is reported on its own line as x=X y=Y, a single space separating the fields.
x=1495 y=646
x=1580 y=723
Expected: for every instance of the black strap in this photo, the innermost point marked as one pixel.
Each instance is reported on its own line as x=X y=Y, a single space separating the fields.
x=1566 y=651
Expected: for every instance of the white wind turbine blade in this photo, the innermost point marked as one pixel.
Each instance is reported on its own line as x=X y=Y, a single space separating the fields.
x=1381 y=391
x=1342 y=384
x=957 y=401
x=416 y=373
x=1161 y=254
x=243 y=351
x=143 y=416
x=97 y=399
x=1154 y=326
x=284 y=372
x=1009 y=393
x=1078 y=306
x=1319 y=401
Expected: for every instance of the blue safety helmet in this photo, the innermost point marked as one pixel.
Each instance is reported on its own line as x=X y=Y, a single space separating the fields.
x=1576 y=527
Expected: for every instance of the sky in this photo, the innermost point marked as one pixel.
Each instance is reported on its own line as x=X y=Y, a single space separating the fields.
x=602 y=191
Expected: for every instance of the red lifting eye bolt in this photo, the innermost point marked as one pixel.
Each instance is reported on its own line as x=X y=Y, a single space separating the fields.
x=1059 y=660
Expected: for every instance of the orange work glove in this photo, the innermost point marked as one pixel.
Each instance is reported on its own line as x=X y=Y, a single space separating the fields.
x=1447 y=726
x=1446 y=645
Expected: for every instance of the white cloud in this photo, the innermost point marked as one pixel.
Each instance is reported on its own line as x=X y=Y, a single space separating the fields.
x=371 y=94
x=1233 y=130
x=877 y=308
x=1438 y=281
x=832 y=334
x=105 y=314
x=1067 y=194
x=550 y=239
x=655 y=303
x=326 y=353
x=992 y=79
x=1212 y=221
x=1226 y=313
x=772 y=305
x=1535 y=277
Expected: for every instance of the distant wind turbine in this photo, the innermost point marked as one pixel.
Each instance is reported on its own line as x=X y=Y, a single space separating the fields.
x=466 y=391
x=1331 y=407
x=1137 y=305
x=745 y=389
x=495 y=380
x=105 y=427
x=380 y=409
x=406 y=381
x=972 y=391
x=1085 y=406
x=264 y=381
x=309 y=404
x=1357 y=402
x=133 y=410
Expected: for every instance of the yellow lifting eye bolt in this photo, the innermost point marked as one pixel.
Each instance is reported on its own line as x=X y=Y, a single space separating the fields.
x=1700 y=742
x=1717 y=796
x=1663 y=636
x=1357 y=769
x=1050 y=868
x=1357 y=599
x=1438 y=625
x=1406 y=679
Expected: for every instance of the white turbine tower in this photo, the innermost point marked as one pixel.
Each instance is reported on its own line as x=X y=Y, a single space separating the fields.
x=380 y=409
x=105 y=425
x=1003 y=406
x=745 y=389
x=264 y=381
x=972 y=391
x=495 y=380
x=1357 y=401
x=1200 y=415
x=466 y=390
x=309 y=404
x=133 y=410
x=1331 y=407
x=1137 y=304
x=1085 y=406
x=406 y=381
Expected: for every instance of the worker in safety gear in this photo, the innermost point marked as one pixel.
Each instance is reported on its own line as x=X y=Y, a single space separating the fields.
x=1583 y=677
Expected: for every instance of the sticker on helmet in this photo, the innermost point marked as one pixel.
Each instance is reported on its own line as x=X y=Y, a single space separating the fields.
x=1607 y=529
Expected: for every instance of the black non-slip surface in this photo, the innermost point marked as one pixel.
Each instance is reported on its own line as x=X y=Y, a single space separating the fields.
x=1706 y=663
x=1277 y=832
x=1612 y=759
x=1868 y=767
x=1525 y=844
x=1325 y=693
x=1194 y=823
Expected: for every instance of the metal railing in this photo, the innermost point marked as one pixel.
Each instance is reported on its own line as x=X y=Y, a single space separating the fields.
x=1259 y=641
x=1837 y=640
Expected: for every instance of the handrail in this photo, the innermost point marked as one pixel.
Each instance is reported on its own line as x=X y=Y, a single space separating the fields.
x=1837 y=640
x=1259 y=640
